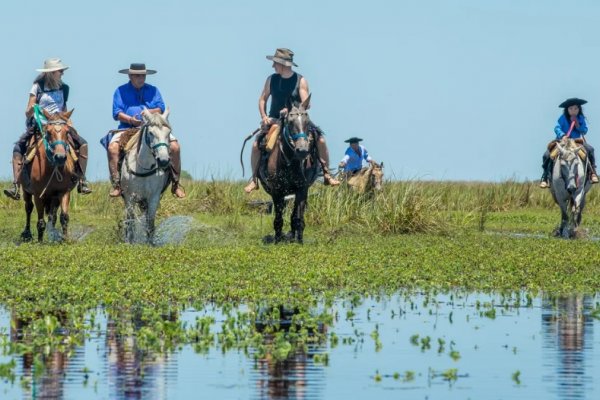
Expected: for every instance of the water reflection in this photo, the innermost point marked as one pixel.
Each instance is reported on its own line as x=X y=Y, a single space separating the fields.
x=134 y=373
x=44 y=374
x=567 y=330
x=297 y=376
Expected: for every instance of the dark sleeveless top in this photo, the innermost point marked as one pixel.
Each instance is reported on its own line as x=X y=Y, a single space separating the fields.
x=284 y=93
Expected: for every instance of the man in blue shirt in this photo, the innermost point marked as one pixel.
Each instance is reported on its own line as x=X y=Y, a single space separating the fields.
x=355 y=154
x=129 y=101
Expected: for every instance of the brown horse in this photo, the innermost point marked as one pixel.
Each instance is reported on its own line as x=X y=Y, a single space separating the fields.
x=50 y=176
x=367 y=180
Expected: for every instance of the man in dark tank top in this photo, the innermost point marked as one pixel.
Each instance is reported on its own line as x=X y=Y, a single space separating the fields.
x=285 y=87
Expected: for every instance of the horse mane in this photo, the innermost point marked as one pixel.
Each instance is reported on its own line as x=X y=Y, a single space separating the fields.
x=157 y=120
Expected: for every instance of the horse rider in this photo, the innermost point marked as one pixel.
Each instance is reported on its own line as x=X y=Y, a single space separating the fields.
x=50 y=93
x=285 y=86
x=129 y=100
x=572 y=122
x=354 y=156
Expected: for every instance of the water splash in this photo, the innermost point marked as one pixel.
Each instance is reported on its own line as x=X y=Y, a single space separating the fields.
x=173 y=230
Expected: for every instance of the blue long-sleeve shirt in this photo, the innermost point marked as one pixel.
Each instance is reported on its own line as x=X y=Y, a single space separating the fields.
x=131 y=101
x=563 y=125
x=353 y=159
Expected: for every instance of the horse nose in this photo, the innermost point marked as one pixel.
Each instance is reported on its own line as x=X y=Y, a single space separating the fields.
x=571 y=187
x=60 y=158
x=163 y=162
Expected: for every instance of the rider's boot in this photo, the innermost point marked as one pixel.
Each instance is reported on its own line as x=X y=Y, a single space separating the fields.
x=113 y=168
x=254 y=160
x=82 y=186
x=17 y=164
x=324 y=159
x=547 y=167
x=176 y=187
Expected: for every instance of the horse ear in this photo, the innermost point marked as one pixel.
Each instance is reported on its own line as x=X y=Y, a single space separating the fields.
x=306 y=103
x=166 y=113
x=145 y=114
x=67 y=115
x=381 y=164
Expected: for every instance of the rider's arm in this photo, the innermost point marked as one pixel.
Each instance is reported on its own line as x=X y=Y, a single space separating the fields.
x=156 y=105
x=582 y=126
x=303 y=90
x=366 y=155
x=262 y=101
x=29 y=109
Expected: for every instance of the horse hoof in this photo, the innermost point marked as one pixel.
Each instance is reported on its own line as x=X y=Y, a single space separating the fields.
x=26 y=237
x=269 y=239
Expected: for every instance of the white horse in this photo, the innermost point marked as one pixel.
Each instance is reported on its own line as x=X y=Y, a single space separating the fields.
x=145 y=174
x=570 y=185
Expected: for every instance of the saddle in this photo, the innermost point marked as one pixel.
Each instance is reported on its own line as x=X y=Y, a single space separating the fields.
x=129 y=139
x=553 y=149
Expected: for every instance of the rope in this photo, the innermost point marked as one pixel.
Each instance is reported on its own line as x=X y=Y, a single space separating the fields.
x=59 y=178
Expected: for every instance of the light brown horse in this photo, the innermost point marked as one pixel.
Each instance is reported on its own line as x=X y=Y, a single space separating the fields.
x=368 y=179
x=50 y=176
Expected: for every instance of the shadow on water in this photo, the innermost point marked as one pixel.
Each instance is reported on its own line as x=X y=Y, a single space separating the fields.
x=567 y=330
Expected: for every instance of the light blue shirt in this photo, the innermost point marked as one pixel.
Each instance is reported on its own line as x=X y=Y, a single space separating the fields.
x=353 y=159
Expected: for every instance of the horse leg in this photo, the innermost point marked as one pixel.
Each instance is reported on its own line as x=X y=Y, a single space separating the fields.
x=298 y=215
x=41 y=224
x=279 y=204
x=150 y=218
x=129 y=221
x=26 y=234
x=64 y=214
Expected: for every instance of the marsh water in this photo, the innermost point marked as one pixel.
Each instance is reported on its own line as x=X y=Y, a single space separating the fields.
x=450 y=346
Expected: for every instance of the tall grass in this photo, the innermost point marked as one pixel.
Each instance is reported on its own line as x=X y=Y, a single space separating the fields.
x=401 y=207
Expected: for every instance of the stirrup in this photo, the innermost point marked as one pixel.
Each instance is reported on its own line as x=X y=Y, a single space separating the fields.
x=82 y=187
x=13 y=193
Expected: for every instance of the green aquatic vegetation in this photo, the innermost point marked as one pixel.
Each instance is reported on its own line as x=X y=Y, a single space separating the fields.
x=7 y=371
x=516 y=377
x=454 y=355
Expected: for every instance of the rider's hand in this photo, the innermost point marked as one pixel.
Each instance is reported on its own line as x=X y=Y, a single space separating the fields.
x=283 y=113
x=266 y=120
x=135 y=122
x=341 y=165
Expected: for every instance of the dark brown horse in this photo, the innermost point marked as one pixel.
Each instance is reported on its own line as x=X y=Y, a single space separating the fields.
x=50 y=176
x=291 y=168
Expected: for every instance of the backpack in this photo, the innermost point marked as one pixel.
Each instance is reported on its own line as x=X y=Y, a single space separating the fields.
x=64 y=87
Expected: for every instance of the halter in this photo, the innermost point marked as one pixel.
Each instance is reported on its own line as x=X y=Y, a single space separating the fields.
x=148 y=142
x=49 y=146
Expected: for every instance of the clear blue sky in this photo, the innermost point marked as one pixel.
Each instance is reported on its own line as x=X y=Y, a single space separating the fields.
x=474 y=81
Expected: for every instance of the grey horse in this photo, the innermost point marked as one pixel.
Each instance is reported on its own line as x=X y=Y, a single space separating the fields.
x=570 y=185
x=145 y=175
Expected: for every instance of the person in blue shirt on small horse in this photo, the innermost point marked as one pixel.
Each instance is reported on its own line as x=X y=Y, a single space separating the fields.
x=355 y=154
x=572 y=123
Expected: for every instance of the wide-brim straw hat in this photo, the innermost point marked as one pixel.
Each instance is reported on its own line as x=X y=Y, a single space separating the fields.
x=574 y=101
x=137 y=69
x=53 y=64
x=353 y=139
x=283 y=57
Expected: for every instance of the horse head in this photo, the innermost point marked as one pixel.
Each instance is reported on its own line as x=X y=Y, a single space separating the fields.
x=571 y=167
x=296 y=130
x=155 y=134
x=376 y=175
x=55 y=136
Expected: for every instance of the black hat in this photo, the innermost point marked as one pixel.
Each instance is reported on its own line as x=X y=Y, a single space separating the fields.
x=353 y=139
x=137 y=69
x=574 y=101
